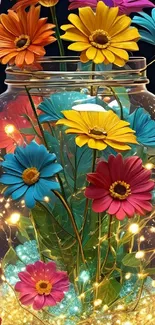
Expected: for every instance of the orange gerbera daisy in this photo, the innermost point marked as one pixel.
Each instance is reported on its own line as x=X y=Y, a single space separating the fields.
x=26 y=3
x=23 y=36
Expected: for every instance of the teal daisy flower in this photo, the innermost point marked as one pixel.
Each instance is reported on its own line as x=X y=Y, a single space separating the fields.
x=148 y=23
x=29 y=173
x=58 y=102
x=141 y=122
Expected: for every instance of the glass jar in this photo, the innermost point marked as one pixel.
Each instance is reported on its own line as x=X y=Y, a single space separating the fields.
x=109 y=258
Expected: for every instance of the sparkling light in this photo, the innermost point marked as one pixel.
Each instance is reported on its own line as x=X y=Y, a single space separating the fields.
x=127 y=323
x=142 y=238
x=96 y=284
x=9 y=129
x=7 y=205
x=97 y=302
x=46 y=199
x=14 y=218
x=134 y=228
x=152 y=229
x=140 y=254
x=149 y=166
x=153 y=283
x=120 y=307
x=84 y=276
x=128 y=276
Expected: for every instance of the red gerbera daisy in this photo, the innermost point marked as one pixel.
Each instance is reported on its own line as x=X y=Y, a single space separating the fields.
x=121 y=187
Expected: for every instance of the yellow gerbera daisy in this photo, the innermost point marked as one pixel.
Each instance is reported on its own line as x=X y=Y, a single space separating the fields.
x=102 y=37
x=98 y=129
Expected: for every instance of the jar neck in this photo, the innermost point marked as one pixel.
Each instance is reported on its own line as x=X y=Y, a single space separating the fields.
x=68 y=72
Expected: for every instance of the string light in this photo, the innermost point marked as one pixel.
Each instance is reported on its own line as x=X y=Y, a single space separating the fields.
x=84 y=276
x=7 y=205
x=96 y=284
x=14 y=218
x=152 y=229
x=97 y=302
x=9 y=129
x=149 y=166
x=134 y=228
x=46 y=199
x=153 y=283
x=142 y=238
x=140 y=254
x=128 y=276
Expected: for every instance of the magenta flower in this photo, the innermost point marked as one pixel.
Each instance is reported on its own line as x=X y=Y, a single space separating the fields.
x=120 y=187
x=125 y=6
x=128 y=6
x=42 y=285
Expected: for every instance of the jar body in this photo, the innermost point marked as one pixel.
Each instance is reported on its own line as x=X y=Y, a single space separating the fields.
x=110 y=261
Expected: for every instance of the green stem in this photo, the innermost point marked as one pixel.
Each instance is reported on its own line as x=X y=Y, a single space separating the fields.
x=57 y=32
x=42 y=133
x=72 y=221
x=75 y=176
x=37 y=237
x=36 y=116
x=58 y=37
x=119 y=102
x=108 y=248
x=92 y=89
x=94 y=159
x=139 y=295
x=98 y=272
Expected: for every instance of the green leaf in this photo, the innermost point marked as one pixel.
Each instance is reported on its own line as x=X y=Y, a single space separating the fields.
x=53 y=144
x=23 y=225
x=131 y=260
x=54 y=237
x=9 y=258
x=109 y=290
x=28 y=131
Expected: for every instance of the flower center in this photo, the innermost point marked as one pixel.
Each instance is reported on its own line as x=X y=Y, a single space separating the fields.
x=30 y=175
x=43 y=287
x=22 y=42
x=98 y=133
x=120 y=190
x=99 y=39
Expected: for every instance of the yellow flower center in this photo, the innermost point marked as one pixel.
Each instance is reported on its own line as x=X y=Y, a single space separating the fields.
x=22 y=42
x=43 y=287
x=120 y=190
x=99 y=39
x=97 y=133
x=30 y=175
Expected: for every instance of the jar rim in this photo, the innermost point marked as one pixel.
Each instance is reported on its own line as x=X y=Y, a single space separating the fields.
x=56 y=71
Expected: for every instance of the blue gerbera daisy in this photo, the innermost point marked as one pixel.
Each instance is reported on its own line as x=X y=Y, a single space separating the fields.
x=141 y=122
x=29 y=173
x=147 y=22
x=58 y=102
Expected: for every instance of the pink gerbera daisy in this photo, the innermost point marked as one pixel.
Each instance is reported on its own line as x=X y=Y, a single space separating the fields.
x=42 y=285
x=121 y=187
x=125 y=6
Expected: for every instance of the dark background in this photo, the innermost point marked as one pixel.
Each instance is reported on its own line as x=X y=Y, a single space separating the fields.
x=146 y=50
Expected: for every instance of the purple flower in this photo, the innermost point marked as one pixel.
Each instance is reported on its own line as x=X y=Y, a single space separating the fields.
x=125 y=6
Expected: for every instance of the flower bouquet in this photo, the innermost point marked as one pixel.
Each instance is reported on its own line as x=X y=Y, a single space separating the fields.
x=77 y=167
